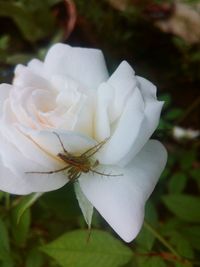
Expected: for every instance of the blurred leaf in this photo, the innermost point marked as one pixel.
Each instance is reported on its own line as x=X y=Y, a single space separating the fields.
x=1 y=195
x=6 y=259
x=27 y=202
x=192 y=233
x=183 y=246
x=167 y=99
x=4 y=41
x=31 y=28
x=177 y=183
x=195 y=173
x=73 y=249
x=18 y=59
x=61 y=202
x=173 y=114
x=188 y=157
x=34 y=258
x=20 y=230
x=5 y=256
x=151 y=261
x=186 y=207
x=146 y=238
x=164 y=125
x=4 y=238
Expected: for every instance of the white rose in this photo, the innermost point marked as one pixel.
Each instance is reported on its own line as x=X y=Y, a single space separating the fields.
x=69 y=96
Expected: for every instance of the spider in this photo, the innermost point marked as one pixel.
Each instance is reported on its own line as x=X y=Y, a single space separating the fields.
x=76 y=165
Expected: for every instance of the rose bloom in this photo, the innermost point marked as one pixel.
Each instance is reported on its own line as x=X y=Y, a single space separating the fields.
x=67 y=105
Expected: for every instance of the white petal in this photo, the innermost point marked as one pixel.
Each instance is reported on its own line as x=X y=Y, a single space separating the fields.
x=4 y=93
x=23 y=143
x=126 y=131
x=28 y=183
x=25 y=77
x=102 y=120
x=84 y=65
x=120 y=200
x=73 y=142
x=36 y=66
x=85 y=206
x=151 y=118
x=14 y=176
x=123 y=81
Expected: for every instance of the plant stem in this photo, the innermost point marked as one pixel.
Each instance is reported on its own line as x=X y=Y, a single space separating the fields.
x=161 y=239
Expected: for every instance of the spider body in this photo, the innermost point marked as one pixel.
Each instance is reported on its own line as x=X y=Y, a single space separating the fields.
x=75 y=165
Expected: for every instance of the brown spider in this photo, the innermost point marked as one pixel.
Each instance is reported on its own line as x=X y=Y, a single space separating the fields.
x=76 y=165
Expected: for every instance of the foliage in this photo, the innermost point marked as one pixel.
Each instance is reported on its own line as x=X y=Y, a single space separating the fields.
x=49 y=230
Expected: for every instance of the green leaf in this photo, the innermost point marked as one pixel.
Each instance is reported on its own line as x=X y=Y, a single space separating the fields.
x=26 y=203
x=6 y=259
x=4 y=238
x=186 y=207
x=73 y=249
x=177 y=183
x=192 y=233
x=145 y=238
x=31 y=28
x=182 y=245
x=151 y=262
x=1 y=195
x=167 y=99
x=20 y=229
x=187 y=159
x=34 y=259
x=173 y=114
x=195 y=173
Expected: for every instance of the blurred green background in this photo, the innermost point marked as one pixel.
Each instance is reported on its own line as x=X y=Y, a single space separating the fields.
x=161 y=40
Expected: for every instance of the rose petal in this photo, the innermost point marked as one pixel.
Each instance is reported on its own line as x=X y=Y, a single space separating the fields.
x=126 y=130
x=25 y=77
x=37 y=67
x=120 y=200
x=73 y=142
x=4 y=93
x=151 y=118
x=123 y=82
x=102 y=120
x=24 y=183
x=85 y=206
x=84 y=65
x=23 y=142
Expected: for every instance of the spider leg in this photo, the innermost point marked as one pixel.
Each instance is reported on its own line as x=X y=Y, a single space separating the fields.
x=57 y=135
x=104 y=174
x=95 y=148
x=51 y=172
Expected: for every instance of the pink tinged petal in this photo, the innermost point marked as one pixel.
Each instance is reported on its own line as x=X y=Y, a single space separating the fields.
x=25 y=77
x=84 y=65
x=24 y=183
x=120 y=200
x=12 y=132
x=125 y=132
x=151 y=118
x=4 y=93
